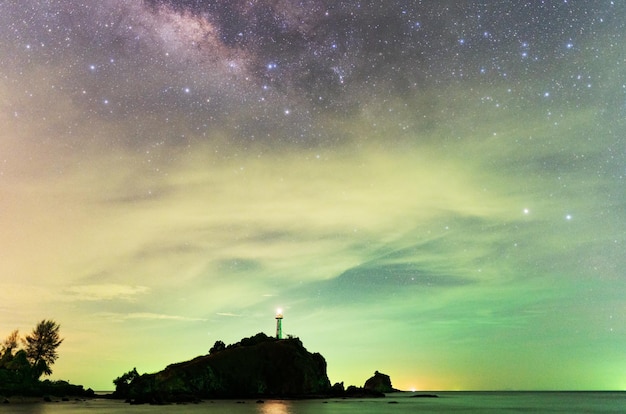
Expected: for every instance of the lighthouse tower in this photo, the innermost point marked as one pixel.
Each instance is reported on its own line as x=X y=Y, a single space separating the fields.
x=279 y=324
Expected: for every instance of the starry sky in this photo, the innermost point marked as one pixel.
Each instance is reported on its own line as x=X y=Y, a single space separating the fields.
x=432 y=189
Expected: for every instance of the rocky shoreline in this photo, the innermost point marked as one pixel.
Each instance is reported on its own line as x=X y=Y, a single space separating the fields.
x=44 y=391
x=256 y=368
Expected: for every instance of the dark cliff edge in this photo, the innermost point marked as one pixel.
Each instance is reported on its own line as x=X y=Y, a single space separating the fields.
x=256 y=367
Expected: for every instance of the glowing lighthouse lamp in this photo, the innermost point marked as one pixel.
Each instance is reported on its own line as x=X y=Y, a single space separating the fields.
x=279 y=323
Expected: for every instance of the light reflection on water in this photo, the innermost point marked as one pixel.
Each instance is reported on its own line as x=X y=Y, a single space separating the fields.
x=275 y=407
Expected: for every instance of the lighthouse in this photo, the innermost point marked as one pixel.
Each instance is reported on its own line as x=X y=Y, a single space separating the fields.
x=279 y=323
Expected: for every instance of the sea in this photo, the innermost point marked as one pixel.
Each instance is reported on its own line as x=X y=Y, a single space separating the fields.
x=397 y=403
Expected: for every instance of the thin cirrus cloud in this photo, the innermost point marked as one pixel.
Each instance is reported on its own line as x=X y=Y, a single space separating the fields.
x=105 y=292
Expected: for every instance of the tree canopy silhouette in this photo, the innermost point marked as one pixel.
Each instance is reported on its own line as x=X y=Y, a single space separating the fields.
x=41 y=347
x=11 y=342
x=123 y=383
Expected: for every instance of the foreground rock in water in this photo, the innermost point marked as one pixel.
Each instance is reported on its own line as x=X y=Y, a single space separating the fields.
x=259 y=366
x=380 y=383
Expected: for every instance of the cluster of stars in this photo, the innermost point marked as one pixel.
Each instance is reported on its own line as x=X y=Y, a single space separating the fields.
x=324 y=55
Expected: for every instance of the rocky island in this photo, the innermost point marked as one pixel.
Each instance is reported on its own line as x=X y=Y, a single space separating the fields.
x=380 y=383
x=255 y=367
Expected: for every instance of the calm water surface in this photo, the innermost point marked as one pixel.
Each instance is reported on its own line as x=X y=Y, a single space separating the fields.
x=449 y=402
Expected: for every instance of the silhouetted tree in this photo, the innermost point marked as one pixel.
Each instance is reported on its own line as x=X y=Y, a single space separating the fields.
x=122 y=383
x=256 y=339
x=217 y=347
x=11 y=342
x=20 y=368
x=41 y=347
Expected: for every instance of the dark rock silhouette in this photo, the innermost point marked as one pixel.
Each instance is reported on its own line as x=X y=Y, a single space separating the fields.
x=360 y=392
x=380 y=383
x=339 y=391
x=44 y=389
x=259 y=366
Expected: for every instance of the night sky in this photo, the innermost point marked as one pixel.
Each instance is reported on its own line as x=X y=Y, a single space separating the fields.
x=431 y=189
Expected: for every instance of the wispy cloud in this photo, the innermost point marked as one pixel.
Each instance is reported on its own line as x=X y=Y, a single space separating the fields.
x=147 y=316
x=105 y=292
x=159 y=316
